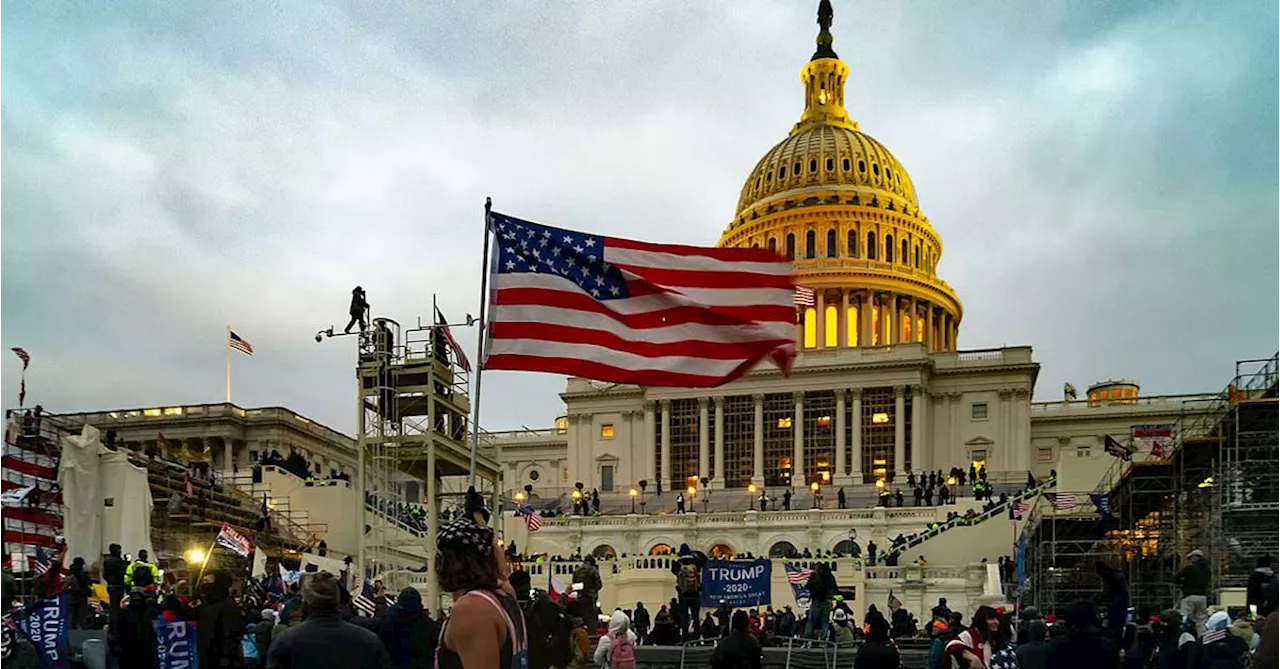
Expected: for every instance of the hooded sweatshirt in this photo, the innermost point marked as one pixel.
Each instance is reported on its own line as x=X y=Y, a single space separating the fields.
x=1220 y=649
x=618 y=624
x=408 y=635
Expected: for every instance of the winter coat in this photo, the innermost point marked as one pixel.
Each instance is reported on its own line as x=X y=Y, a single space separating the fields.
x=408 y=635
x=219 y=628
x=1193 y=577
x=325 y=641
x=618 y=624
x=876 y=655
x=1083 y=649
x=739 y=650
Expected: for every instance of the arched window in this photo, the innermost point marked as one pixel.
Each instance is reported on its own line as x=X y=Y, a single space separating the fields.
x=773 y=244
x=810 y=244
x=917 y=256
x=782 y=549
x=832 y=248
x=847 y=547
x=845 y=164
x=831 y=326
x=662 y=549
x=721 y=552
x=853 y=244
x=871 y=246
x=888 y=248
x=791 y=246
x=755 y=245
x=862 y=166
x=813 y=165
x=604 y=551
x=905 y=255
x=831 y=164
x=851 y=325
x=810 y=327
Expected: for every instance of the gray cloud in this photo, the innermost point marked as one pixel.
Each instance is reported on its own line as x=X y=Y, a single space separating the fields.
x=1104 y=177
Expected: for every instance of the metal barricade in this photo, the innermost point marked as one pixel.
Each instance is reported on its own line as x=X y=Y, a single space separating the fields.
x=697 y=643
x=829 y=649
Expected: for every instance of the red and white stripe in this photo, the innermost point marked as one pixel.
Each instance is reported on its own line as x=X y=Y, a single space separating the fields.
x=238 y=343
x=805 y=297
x=695 y=317
x=799 y=577
x=1064 y=500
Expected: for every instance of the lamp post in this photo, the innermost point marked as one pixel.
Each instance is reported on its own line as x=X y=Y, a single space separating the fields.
x=814 y=487
x=519 y=497
x=643 y=484
x=633 y=492
x=577 y=498
x=751 y=490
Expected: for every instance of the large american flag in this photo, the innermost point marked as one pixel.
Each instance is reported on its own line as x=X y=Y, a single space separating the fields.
x=363 y=601
x=624 y=311
x=800 y=576
x=1064 y=500
x=532 y=519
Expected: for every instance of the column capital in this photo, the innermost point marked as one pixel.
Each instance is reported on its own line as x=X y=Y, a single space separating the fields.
x=1021 y=393
x=650 y=405
x=798 y=395
x=954 y=396
x=1006 y=393
x=917 y=390
x=719 y=400
x=666 y=405
x=899 y=391
x=841 y=394
x=1064 y=442
x=855 y=393
x=574 y=418
x=758 y=398
x=702 y=402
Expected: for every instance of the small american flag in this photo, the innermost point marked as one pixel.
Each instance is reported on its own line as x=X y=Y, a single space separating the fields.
x=800 y=576
x=804 y=297
x=1064 y=500
x=363 y=602
x=1021 y=510
x=238 y=343
x=458 y=353
x=22 y=355
x=42 y=562
x=532 y=519
x=624 y=311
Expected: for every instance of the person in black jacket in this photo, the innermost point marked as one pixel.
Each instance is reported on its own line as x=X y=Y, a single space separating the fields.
x=688 y=572
x=1115 y=594
x=710 y=628
x=113 y=575
x=1194 y=578
x=1034 y=653
x=739 y=650
x=877 y=652
x=1084 y=644
x=77 y=586
x=324 y=640
x=134 y=642
x=723 y=614
x=822 y=587
x=640 y=621
x=1262 y=575
x=547 y=625
x=220 y=627
x=408 y=635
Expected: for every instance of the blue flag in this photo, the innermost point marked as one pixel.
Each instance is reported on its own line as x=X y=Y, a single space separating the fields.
x=1020 y=559
x=44 y=623
x=176 y=644
x=1103 y=504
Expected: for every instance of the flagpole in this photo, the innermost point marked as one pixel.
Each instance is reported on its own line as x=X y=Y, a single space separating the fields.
x=484 y=324
x=227 y=345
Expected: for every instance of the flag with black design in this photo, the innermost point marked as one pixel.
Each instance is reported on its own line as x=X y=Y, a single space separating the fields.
x=1115 y=448
x=1102 y=503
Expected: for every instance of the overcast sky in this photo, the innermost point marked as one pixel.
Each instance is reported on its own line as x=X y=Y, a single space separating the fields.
x=1103 y=175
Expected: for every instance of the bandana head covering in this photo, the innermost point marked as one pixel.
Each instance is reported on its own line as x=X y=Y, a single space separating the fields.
x=464 y=535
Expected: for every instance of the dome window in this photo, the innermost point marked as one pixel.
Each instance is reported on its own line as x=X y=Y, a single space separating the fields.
x=862 y=166
x=875 y=169
x=832 y=247
x=871 y=246
x=758 y=181
x=782 y=172
x=795 y=169
x=813 y=165
x=831 y=164
x=853 y=244
x=791 y=246
x=846 y=164
x=905 y=255
x=888 y=248
x=773 y=244
x=810 y=245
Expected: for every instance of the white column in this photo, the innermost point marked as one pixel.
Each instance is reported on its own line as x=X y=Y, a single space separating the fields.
x=856 y=430
x=651 y=442
x=666 y=444
x=954 y=447
x=820 y=305
x=842 y=470
x=704 y=440
x=433 y=515
x=718 y=482
x=918 y=398
x=1004 y=444
x=797 y=432
x=928 y=327
x=757 y=442
x=865 y=324
x=228 y=454
x=895 y=321
x=899 y=432
x=842 y=321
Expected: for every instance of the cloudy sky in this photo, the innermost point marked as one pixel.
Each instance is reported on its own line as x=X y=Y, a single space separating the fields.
x=1104 y=175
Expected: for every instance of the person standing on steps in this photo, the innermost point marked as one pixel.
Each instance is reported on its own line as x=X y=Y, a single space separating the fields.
x=786 y=500
x=840 y=499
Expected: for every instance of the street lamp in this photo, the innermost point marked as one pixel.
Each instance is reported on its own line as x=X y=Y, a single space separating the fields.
x=814 y=487
x=577 y=498
x=633 y=492
x=751 y=489
x=194 y=556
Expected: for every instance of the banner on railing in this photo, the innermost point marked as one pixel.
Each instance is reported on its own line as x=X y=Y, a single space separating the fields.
x=741 y=583
x=176 y=644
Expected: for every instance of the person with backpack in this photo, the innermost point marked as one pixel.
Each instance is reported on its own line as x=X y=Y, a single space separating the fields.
x=547 y=626
x=640 y=621
x=617 y=649
x=688 y=571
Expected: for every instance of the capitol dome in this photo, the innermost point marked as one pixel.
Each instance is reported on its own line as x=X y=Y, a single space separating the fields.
x=840 y=205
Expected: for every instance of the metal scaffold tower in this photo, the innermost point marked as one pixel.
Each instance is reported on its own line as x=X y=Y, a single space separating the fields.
x=412 y=427
x=1215 y=491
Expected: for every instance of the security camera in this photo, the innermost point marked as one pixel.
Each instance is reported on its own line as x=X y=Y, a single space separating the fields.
x=319 y=337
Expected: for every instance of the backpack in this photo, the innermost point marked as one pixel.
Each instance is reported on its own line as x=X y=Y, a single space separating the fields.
x=622 y=653
x=689 y=580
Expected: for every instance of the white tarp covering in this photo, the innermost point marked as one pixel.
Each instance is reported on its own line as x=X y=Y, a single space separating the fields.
x=127 y=521
x=78 y=476
x=335 y=567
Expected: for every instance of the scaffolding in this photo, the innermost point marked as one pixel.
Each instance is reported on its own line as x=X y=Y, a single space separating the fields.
x=412 y=426
x=1216 y=491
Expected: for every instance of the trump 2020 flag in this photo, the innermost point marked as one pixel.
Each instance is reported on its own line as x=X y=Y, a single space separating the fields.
x=176 y=644
x=44 y=623
x=625 y=311
x=233 y=540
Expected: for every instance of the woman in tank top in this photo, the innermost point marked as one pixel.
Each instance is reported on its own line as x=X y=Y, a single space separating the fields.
x=485 y=628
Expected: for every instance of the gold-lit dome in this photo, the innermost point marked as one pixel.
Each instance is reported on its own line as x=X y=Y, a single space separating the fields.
x=833 y=157
x=837 y=203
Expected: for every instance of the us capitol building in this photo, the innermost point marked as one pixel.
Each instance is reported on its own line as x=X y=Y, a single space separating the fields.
x=881 y=388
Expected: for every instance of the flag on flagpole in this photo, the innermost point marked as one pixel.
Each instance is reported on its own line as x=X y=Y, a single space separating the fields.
x=233 y=540
x=1102 y=503
x=42 y=562
x=23 y=356
x=618 y=310
x=458 y=354
x=894 y=603
x=238 y=343
x=26 y=360
x=259 y=563
x=532 y=519
x=1021 y=509
x=363 y=601
x=1115 y=448
x=804 y=297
